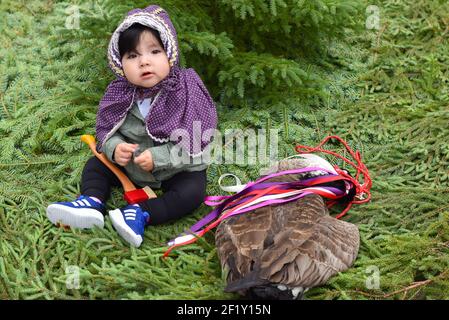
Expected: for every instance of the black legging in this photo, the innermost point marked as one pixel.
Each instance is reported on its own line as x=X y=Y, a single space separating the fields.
x=183 y=193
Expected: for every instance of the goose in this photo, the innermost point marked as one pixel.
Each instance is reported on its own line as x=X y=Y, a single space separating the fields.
x=281 y=251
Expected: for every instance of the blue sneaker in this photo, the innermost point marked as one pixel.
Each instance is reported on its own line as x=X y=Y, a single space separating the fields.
x=130 y=223
x=83 y=213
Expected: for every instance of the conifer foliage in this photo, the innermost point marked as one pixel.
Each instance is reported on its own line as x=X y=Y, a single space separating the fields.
x=306 y=68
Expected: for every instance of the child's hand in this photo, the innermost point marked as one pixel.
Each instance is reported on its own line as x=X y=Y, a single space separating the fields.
x=123 y=153
x=145 y=160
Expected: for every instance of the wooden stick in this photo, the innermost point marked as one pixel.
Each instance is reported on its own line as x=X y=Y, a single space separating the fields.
x=126 y=183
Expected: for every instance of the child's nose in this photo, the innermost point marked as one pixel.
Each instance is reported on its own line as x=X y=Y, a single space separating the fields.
x=145 y=60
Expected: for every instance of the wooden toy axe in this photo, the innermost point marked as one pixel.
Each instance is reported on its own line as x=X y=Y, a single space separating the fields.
x=132 y=195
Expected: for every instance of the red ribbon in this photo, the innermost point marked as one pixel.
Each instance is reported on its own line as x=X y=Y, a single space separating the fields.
x=363 y=189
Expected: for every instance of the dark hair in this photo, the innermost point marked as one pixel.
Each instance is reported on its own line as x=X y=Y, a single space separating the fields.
x=129 y=39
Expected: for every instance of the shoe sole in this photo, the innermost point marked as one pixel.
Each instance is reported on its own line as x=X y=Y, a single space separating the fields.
x=72 y=217
x=123 y=229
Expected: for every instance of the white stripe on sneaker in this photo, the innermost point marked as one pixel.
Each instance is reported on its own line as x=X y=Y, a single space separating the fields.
x=130 y=214
x=96 y=199
x=86 y=202
x=129 y=211
x=75 y=204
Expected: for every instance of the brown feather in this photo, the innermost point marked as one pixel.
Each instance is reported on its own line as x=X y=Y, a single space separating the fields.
x=296 y=244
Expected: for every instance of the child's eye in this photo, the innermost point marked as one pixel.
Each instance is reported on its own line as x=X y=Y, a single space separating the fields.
x=155 y=51
x=132 y=56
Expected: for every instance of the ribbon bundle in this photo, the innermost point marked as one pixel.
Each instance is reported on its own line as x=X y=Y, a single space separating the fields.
x=259 y=193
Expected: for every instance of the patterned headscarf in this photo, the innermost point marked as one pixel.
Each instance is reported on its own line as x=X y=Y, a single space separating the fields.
x=179 y=100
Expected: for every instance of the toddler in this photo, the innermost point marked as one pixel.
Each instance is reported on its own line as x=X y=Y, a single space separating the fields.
x=151 y=101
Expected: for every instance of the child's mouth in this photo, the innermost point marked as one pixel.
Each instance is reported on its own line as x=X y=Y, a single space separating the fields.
x=146 y=75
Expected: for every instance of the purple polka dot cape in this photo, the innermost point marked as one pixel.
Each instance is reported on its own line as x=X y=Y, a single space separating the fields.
x=181 y=105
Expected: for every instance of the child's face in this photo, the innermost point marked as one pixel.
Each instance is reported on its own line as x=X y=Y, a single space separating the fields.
x=147 y=65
